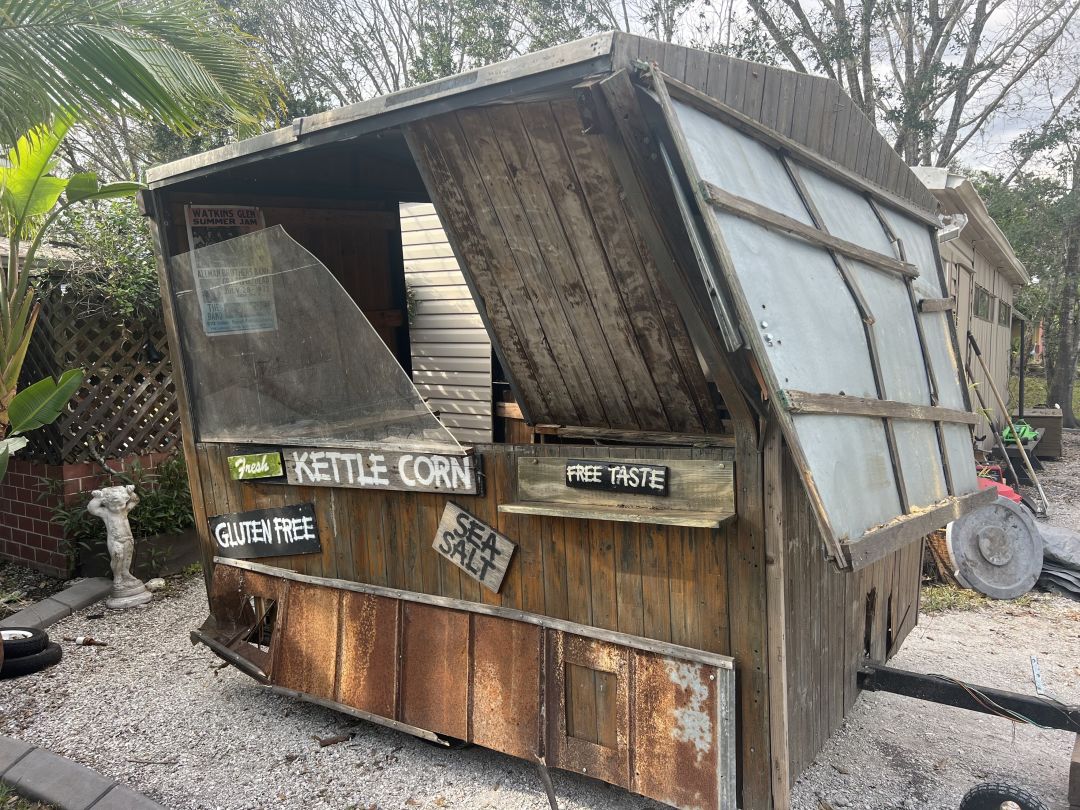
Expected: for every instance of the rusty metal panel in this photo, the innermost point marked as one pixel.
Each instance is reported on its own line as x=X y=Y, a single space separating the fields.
x=506 y=686
x=435 y=669
x=683 y=732
x=588 y=699
x=308 y=648
x=367 y=668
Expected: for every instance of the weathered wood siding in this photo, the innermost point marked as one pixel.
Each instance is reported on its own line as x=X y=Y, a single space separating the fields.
x=834 y=620
x=584 y=325
x=451 y=352
x=660 y=582
x=812 y=110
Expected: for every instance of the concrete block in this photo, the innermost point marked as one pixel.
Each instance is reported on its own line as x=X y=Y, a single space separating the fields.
x=44 y=614
x=46 y=777
x=124 y=798
x=11 y=750
x=85 y=593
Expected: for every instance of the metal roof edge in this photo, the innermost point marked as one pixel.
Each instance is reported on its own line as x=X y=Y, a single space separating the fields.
x=559 y=56
x=961 y=192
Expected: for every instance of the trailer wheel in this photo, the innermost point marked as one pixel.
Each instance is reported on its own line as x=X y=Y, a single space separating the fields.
x=20 y=641
x=996 y=796
x=29 y=664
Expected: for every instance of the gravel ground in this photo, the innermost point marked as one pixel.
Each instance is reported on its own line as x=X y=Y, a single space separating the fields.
x=166 y=718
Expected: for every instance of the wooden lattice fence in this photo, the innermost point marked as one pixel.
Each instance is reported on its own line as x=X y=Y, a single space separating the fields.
x=127 y=405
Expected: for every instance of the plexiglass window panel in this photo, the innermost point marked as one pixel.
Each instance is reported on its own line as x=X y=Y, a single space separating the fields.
x=279 y=353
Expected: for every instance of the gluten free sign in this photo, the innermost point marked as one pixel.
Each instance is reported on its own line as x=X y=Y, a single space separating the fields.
x=473 y=546
x=266 y=532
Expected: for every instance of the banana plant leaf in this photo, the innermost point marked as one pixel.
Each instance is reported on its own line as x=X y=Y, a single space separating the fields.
x=28 y=189
x=86 y=186
x=41 y=403
x=9 y=446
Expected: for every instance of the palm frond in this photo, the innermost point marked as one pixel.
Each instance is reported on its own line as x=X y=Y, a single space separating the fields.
x=174 y=60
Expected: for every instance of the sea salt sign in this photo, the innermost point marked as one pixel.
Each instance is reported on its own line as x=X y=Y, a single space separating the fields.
x=266 y=532
x=473 y=546
x=381 y=469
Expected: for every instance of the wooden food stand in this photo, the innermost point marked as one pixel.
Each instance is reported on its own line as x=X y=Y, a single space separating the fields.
x=714 y=294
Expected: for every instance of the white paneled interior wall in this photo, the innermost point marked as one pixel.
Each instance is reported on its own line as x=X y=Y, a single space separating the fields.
x=451 y=353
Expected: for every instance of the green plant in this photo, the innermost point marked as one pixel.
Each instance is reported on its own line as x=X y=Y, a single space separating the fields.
x=116 y=273
x=164 y=508
x=31 y=199
x=178 y=61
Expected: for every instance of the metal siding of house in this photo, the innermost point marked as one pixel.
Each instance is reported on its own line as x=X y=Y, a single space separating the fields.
x=451 y=352
x=993 y=339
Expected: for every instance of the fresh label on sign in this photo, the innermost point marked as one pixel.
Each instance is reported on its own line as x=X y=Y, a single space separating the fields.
x=473 y=546
x=266 y=532
x=255 y=465
x=640 y=479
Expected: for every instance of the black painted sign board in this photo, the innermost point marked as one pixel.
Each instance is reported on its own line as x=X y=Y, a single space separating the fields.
x=612 y=476
x=276 y=532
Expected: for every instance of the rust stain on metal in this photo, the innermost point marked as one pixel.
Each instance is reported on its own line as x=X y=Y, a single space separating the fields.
x=589 y=726
x=435 y=669
x=368 y=661
x=307 y=655
x=505 y=694
x=675 y=732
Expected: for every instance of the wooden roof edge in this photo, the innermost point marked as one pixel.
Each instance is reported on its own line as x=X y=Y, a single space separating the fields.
x=570 y=62
x=627 y=49
x=382 y=112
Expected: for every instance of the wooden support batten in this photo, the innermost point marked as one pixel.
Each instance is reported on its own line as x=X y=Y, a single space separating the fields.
x=781 y=223
x=840 y=405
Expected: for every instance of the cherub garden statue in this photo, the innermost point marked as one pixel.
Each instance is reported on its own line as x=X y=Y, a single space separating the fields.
x=112 y=505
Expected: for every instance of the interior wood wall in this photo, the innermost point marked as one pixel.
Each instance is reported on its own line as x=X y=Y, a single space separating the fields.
x=827 y=627
x=812 y=110
x=660 y=582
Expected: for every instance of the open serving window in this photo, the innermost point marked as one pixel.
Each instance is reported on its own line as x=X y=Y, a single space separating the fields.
x=280 y=354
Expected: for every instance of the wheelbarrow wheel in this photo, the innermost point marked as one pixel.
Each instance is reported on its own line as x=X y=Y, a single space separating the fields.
x=995 y=796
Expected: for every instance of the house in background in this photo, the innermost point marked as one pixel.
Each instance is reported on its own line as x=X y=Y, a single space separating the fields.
x=984 y=278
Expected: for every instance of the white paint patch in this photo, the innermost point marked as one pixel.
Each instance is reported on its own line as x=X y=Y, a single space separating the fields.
x=692 y=721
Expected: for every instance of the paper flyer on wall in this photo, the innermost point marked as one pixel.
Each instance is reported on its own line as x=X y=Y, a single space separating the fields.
x=234 y=296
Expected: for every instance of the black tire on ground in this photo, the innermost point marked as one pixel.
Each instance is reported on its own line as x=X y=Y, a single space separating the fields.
x=22 y=641
x=29 y=664
x=996 y=796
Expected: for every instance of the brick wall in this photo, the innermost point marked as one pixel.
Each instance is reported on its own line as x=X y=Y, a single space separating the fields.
x=27 y=533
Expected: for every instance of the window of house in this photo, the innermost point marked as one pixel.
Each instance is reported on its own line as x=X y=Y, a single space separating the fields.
x=1004 y=314
x=984 y=304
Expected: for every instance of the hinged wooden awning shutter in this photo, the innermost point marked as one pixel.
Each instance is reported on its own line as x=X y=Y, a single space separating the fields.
x=825 y=274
